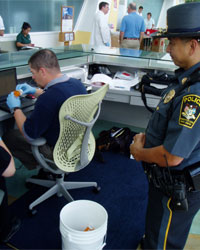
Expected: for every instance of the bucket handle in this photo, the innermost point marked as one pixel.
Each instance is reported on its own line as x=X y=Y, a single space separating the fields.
x=104 y=241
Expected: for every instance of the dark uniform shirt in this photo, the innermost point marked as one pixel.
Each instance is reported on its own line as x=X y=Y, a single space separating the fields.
x=44 y=120
x=175 y=124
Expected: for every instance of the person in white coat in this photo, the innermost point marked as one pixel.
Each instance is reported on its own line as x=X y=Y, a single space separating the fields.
x=2 y=28
x=101 y=31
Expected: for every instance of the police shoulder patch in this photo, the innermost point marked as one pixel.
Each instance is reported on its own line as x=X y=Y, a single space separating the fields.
x=190 y=110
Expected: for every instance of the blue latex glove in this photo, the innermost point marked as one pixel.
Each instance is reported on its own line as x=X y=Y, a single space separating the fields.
x=107 y=44
x=0 y=138
x=26 y=88
x=13 y=101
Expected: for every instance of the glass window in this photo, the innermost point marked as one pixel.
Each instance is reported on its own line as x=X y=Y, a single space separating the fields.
x=42 y=15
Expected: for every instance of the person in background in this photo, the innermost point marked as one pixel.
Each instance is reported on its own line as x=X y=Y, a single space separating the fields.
x=23 y=38
x=170 y=147
x=55 y=88
x=2 y=28
x=149 y=21
x=8 y=226
x=140 y=9
x=101 y=32
x=132 y=29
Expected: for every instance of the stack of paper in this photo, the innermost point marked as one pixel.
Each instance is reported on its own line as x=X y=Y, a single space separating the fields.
x=121 y=84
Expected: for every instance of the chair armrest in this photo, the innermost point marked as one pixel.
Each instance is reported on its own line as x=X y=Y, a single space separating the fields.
x=38 y=142
x=40 y=158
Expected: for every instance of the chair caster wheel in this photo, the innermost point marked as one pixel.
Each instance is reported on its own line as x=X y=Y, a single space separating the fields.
x=97 y=189
x=32 y=212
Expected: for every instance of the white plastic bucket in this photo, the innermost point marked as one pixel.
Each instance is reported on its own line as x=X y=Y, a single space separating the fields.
x=75 y=217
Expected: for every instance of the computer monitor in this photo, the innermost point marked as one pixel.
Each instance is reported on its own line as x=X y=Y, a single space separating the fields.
x=8 y=81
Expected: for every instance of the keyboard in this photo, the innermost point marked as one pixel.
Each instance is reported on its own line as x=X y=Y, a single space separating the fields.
x=25 y=103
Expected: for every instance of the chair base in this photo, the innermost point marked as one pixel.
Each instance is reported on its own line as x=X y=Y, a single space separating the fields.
x=59 y=187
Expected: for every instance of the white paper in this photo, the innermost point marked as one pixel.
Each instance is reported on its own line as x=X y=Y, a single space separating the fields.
x=119 y=84
x=67 y=25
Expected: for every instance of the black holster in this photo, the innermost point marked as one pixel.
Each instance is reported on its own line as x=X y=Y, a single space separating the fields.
x=171 y=184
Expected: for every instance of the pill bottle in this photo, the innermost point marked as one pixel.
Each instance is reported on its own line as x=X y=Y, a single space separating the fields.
x=18 y=93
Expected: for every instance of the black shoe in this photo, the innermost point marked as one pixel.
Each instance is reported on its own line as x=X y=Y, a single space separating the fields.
x=43 y=175
x=15 y=225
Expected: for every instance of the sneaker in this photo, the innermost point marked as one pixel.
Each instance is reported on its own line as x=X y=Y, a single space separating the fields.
x=15 y=225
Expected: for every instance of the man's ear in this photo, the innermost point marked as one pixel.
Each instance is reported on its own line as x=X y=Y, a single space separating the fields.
x=43 y=71
x=193 y=46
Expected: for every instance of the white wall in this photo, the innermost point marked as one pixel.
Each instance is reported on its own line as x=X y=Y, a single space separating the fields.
x=85 y=19
x=122 y=12
x=163 y=14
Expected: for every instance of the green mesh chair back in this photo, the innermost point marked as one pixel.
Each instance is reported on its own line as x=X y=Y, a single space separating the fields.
x=75 y=146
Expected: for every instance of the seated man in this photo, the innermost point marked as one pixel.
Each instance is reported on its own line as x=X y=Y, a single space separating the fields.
x=8 y=227
x=55 y=88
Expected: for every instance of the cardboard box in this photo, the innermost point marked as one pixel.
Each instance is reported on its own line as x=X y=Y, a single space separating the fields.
x=66 y=36
x=115 y=39
x=146 y=43
x=158 y=44
x=61 y=36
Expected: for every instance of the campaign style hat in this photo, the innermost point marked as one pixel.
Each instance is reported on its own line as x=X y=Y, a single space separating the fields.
x=183 y=20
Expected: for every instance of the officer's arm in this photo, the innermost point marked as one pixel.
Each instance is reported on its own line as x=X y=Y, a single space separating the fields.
x=10 y=170
x=158 y=155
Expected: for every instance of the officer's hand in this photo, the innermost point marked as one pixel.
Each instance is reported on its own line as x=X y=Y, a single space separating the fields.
x=139 y=139
x=13 y=101
x=137 y=144
x=26 y=88
x=107 y=44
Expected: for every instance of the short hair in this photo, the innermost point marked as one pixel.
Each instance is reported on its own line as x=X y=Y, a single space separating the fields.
x=141 y=7
x=25 y=26
x=149 y=13
x=45 y=58
x=103 y=4
x=187 y=39
x=132 y=6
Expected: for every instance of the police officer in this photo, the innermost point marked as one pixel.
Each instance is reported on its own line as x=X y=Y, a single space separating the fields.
x=170 y=147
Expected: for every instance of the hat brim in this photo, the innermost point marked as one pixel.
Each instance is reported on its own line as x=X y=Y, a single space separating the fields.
x=168 y=34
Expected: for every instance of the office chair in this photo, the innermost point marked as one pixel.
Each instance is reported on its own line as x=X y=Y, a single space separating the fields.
x=75 y=146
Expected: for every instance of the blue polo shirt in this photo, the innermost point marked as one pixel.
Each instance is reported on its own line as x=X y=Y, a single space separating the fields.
x=176 y=123
x=132 y=25
x=44 y=120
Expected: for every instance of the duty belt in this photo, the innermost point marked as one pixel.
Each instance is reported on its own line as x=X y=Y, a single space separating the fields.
x=161 y=177
x=171 y=183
